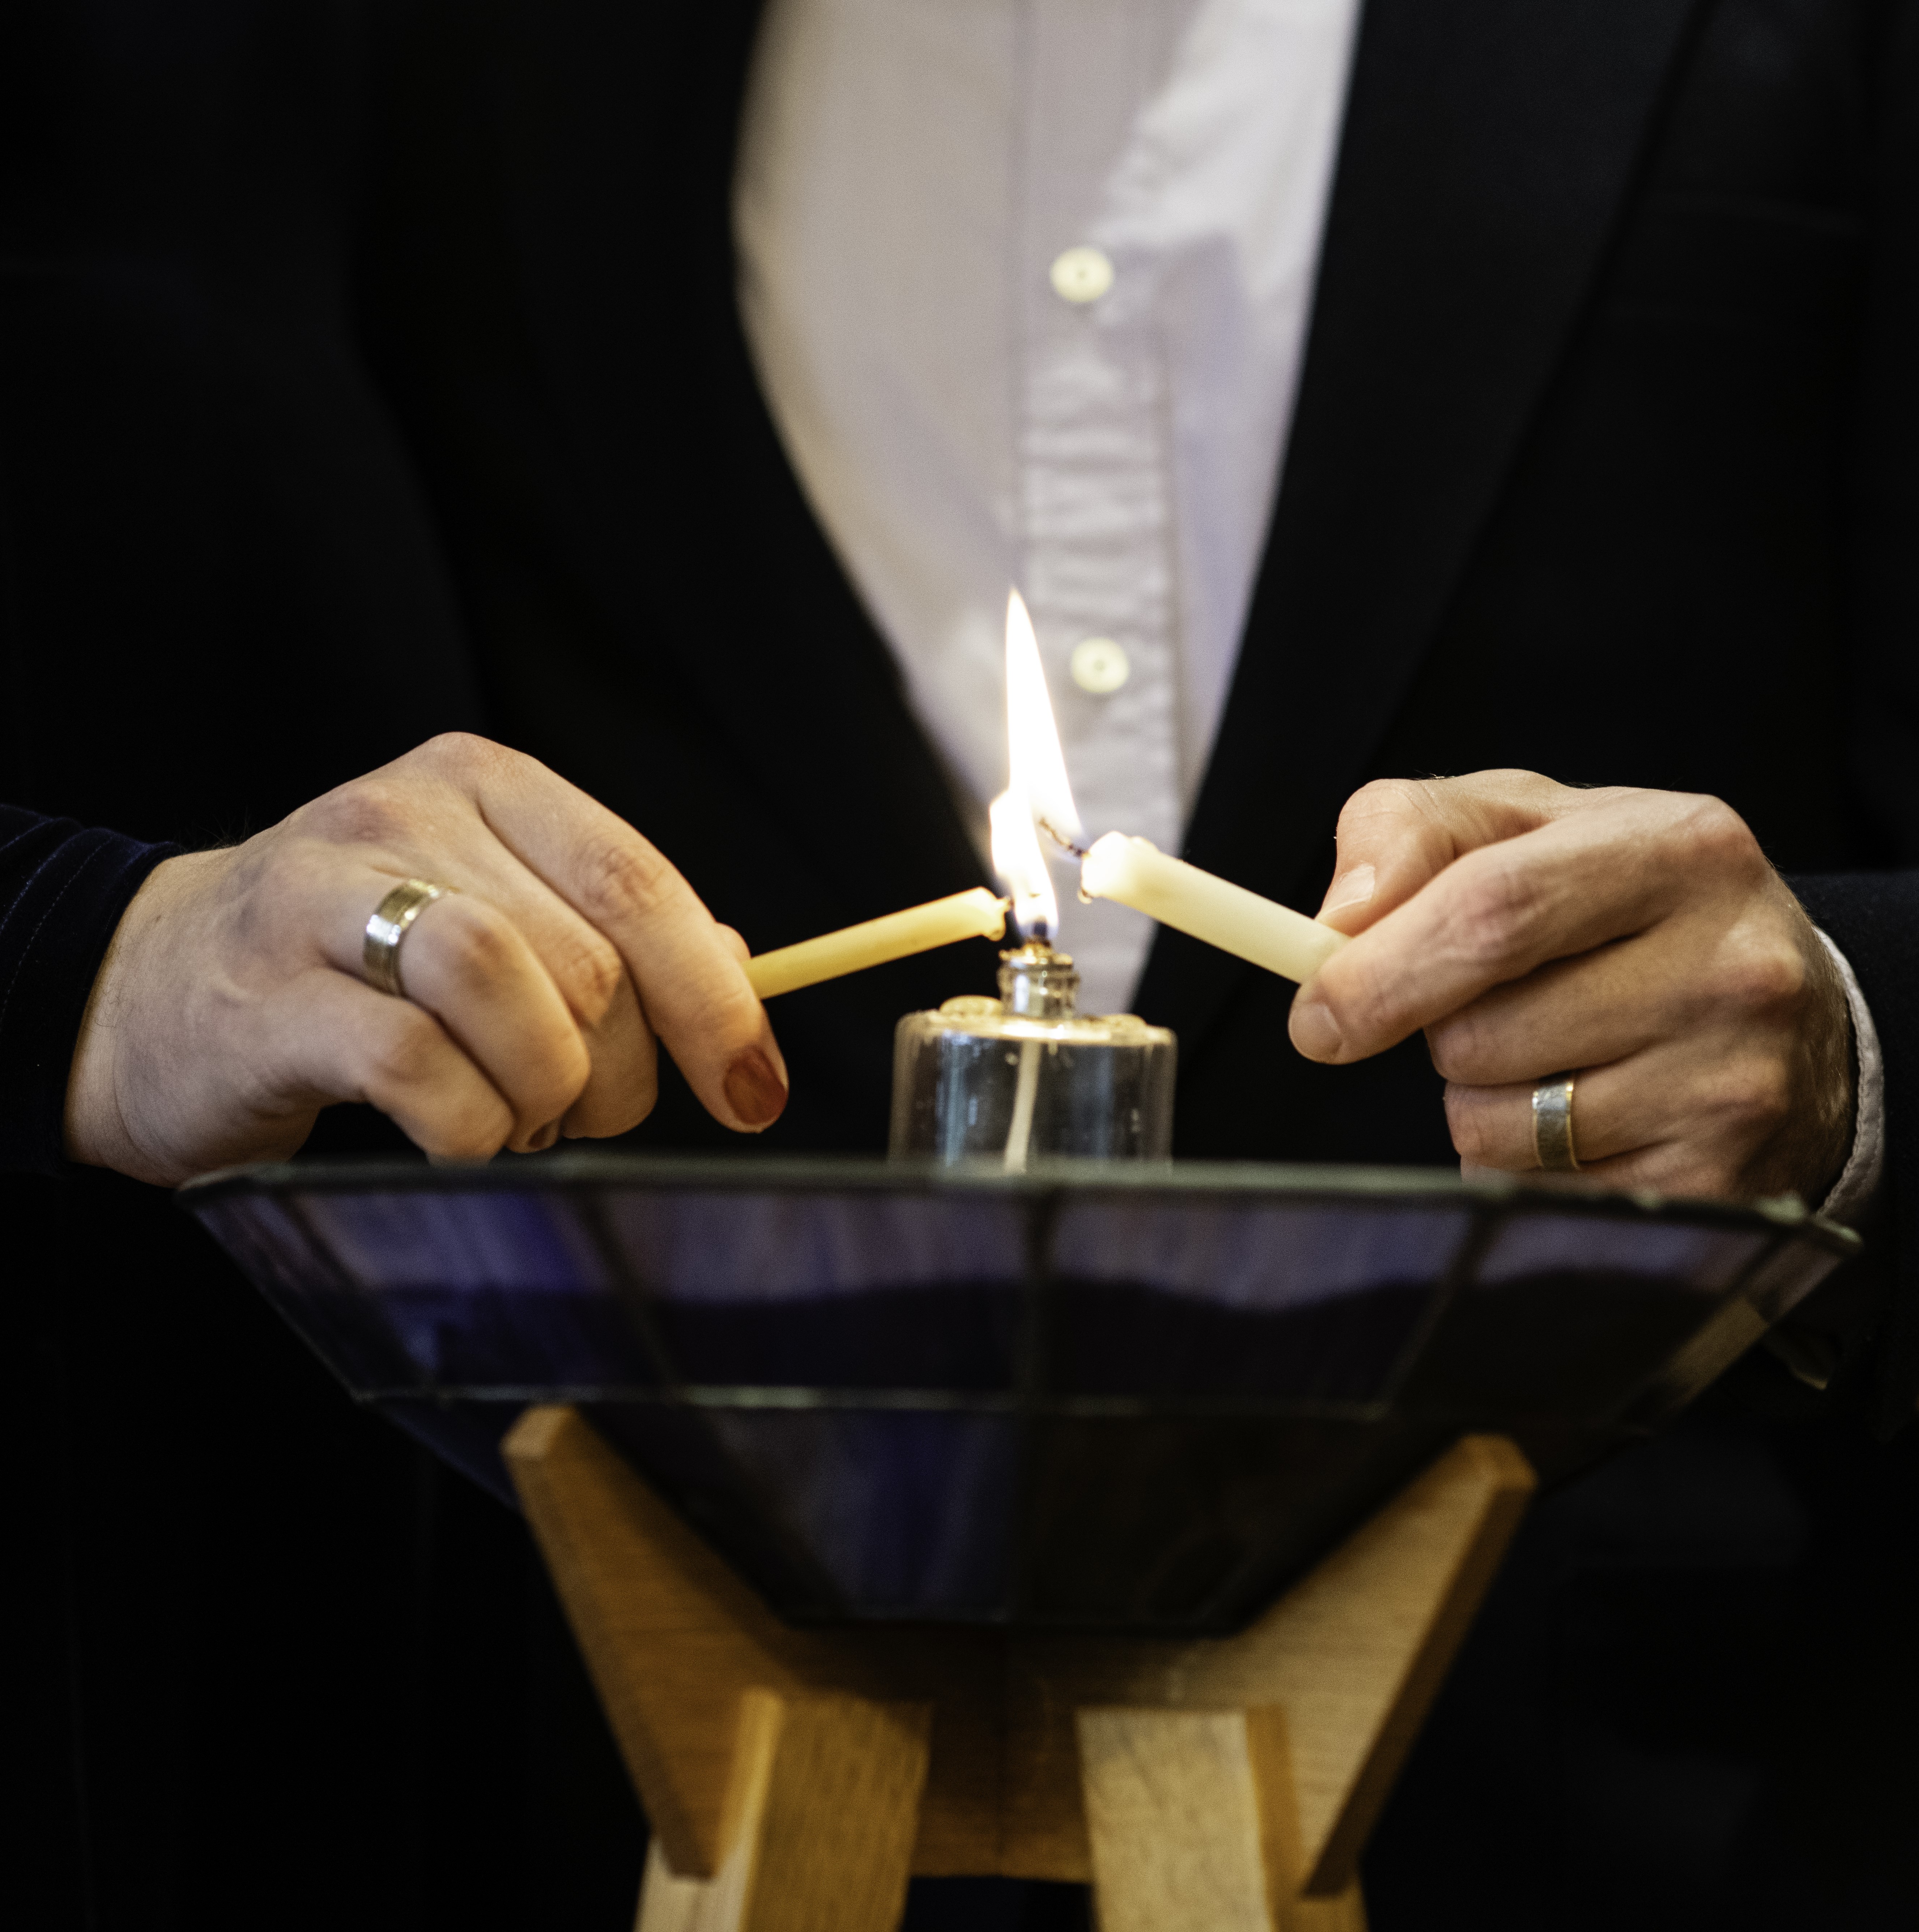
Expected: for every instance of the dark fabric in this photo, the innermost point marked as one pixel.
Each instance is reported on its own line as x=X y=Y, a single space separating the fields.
x=266 y=1663
x=1872 y=918
x=1691 y=1698
x=372 y=370
x=62 y=890
x=221 y=587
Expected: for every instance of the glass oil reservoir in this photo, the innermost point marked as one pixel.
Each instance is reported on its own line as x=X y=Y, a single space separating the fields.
x=1029 y=1077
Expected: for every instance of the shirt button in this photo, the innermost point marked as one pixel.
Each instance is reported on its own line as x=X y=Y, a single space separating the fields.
x=1099 y=665
x=1081 y=275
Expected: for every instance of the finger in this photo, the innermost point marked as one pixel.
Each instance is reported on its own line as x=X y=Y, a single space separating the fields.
x=429 y=825
x=1615 y=1110
x=1600 y=1006
x=1686 y=1115
x=465 y=962
x=1691 y=972
x=1497 y=913
x=692 y=985
x=1395 y=834
x=617 y=1073
x=624 y=1083
x=592 y=979
x=468 y=964
x=341 y=1040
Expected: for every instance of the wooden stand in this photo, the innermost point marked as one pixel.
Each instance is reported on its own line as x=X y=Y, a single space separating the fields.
x=796 y=1779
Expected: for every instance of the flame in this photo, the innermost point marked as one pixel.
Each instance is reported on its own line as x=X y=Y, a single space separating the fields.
x=1017 y=858
x=1037 y=790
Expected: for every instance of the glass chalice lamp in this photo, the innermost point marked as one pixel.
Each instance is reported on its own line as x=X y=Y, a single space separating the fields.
x=1028 y=1076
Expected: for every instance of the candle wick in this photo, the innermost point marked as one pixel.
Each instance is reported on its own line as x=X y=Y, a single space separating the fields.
x=1059 y=839
x=1019 y=1135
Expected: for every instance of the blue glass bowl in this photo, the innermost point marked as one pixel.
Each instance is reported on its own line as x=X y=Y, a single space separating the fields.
x=1123 y=1396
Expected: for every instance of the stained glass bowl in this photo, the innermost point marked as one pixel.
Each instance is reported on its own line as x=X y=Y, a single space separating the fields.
x=1132 y=1396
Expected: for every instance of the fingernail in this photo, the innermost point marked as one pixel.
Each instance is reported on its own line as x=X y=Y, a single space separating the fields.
x=1314 y=1030
x=754 y=1091
x=1353 y=886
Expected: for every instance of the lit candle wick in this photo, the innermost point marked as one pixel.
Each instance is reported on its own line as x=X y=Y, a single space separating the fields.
x=1130 y=871
x=1037 y=791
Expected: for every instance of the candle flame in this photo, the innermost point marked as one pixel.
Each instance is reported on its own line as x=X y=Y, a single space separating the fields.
x=1037 y=791
x=1017 y=858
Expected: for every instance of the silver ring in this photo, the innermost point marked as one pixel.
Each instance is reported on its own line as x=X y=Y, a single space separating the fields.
x=392 y=919
x=1552 y=1125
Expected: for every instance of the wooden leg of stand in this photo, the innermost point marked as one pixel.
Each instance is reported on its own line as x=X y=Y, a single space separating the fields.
x=822 y=1811
x=1352 y=1655
x=1345 y=1913
x=1213 y=1782
x=1194 y=1824
x=1180 y=1813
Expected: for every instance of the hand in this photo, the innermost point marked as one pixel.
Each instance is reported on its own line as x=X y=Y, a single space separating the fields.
x=231 y=1007
x=1639 y=938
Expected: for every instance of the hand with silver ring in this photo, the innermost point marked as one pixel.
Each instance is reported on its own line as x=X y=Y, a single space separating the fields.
x=246 y=989
x=1641 y=937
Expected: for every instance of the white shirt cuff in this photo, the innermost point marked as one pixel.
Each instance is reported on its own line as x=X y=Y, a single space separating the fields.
x=1852 y=1193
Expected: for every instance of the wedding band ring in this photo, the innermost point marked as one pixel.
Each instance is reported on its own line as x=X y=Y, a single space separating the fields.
x=392 y=919
x=1552 y=1125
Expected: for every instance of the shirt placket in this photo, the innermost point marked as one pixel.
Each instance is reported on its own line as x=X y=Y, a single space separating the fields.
x=1096 y=539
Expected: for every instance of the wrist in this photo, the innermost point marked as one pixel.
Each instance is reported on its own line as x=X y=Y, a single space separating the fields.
x=101 y=1121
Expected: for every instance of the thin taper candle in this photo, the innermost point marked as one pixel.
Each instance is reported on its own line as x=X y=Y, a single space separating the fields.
x=977 y=914
x=1135 y=872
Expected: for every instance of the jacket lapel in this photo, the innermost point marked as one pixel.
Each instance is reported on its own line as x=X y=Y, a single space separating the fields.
x=1489 y=148
x=692 y=531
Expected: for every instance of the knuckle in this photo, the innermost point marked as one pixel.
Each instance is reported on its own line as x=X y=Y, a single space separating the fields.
x=1717 y=834
x=1765 y=980
x=623 y=879
x=408 y=1052
x=1457 y=1045
x=640 y=1094
x=597 y=1115
x=367 y=811
x=1370 y=1006
x=1381 y=799
x=591 y=974
x=715 y=1008
x=568 y=1073
x=1468 y=1120
x=478 y=1134
x=1387 y=795
x=467 y=752
x=1493 y=907
x=1752 y=1100
x=477 y=944
x=271 y=876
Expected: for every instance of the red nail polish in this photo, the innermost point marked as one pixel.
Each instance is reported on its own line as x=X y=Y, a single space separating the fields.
x=754 y=1091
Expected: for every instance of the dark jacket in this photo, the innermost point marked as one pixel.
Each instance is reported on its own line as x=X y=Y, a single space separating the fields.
x=366 y=371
